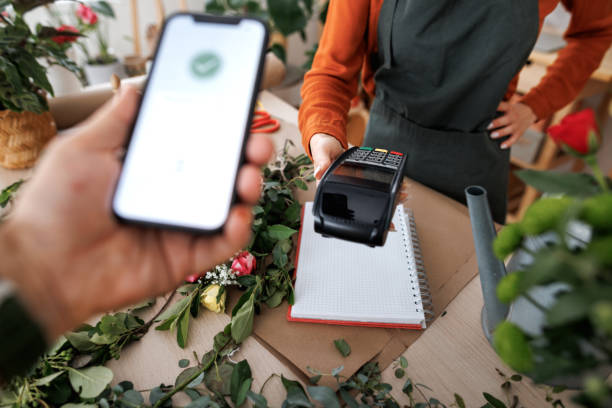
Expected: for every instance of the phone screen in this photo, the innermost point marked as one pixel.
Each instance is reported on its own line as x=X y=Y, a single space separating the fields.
x=182 y=160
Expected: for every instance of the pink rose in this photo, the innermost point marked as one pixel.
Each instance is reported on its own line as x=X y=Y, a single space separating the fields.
x=193 y=278
x=86 y=15
x=244 y=263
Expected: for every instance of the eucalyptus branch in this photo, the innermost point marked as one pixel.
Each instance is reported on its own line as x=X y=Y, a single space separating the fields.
x=185 y=383
x=148 y=324
x=266 y=382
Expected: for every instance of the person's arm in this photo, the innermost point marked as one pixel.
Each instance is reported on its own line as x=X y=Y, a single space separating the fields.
x=588 y=37
x=332 y=82
x=67 y=256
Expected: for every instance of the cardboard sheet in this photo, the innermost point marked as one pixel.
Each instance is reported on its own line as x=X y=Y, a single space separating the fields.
x=444 y=231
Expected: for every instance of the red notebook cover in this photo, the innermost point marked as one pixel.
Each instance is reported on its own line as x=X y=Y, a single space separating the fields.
x=339 y=322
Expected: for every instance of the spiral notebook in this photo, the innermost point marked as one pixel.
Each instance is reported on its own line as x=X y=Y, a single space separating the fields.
x=340 y=282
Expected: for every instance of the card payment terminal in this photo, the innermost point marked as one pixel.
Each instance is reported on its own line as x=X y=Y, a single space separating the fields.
x=356 y=197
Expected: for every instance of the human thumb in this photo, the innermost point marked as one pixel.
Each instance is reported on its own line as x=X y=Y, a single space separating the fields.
x=109 y=126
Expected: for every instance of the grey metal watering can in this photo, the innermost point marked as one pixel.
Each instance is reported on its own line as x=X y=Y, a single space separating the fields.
x=492 y=270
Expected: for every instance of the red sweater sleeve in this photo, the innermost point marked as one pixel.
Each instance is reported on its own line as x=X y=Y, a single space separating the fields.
x=332 y=82
x=588 y=37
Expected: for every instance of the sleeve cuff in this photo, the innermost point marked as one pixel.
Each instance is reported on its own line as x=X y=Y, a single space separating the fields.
x=538 y=104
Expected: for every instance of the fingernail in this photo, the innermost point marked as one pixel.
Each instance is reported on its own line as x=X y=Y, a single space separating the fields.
x=490 y=125
x=504 y=146
x=494 y=135
x=317 y=169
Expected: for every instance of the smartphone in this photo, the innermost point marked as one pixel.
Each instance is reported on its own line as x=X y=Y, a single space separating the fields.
x=188 y=139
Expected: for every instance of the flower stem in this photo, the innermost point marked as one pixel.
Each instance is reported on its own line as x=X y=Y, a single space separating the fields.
x=185 y=383
x=591 y=160
x=534 y=302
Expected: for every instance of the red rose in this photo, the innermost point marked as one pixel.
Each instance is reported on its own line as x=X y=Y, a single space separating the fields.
x=577 y=133
x=60 y=39
x=86 y=15
x=244 y=263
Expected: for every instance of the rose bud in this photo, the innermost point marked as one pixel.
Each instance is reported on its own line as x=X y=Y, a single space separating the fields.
x=244 y=263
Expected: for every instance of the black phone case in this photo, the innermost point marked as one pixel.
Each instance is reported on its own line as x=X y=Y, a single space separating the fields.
x=204 y=18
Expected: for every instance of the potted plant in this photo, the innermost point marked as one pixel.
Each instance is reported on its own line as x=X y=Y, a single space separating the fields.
x=101 y=66
x=575 y=340
x=25 y=122
x=284 y=17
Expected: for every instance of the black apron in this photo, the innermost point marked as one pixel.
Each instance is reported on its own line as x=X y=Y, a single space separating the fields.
x=442 y=69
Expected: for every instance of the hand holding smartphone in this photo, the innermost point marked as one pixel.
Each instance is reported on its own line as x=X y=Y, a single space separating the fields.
x=188 y=139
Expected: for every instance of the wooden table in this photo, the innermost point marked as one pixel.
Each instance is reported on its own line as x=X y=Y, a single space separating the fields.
x=451 y=356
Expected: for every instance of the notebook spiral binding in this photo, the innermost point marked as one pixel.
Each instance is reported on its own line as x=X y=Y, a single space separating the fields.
x=426 y=300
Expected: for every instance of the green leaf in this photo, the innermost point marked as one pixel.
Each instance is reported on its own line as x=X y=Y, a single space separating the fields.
x=325 y=395
x=240 y=374
x=574 y=306
x=219 y=379
x=187 y=374
x=81 y=341
x=113 y=325
x=399 y=373
x=220 y=341
x=348 y=398
x=81 y=405
x=279 y=255
x=315 y=379
x=512 y=346
x=279 y=51
x=11 y=74
x=280 y=232
x=131 y=398
x=459 y=401
x=243 y=299
x=301 y=184
x=102 y=7
x=276 y=299
x=296 y=396
x=553 y=182
x=175 y=310
x=493 y=401
x=30 y=68
x=202 y=402
x=337 y=371
x=287 y=16
x=258 y=400
x=247 y=280
x=90 y=382
x=343 y=347
x=242 y=322
x=403 y=362
x=408 y=387
x=182 y=329
x=183 y=363
x=7 y=194
x=143 y=305
x=245 y=387
x=516 y=377
x=41 y=382
x=156 y=394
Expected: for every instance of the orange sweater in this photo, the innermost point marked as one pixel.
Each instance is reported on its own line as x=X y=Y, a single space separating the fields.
x=350 y=38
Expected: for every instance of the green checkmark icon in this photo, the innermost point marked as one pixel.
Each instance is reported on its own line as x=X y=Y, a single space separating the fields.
x=205 y=65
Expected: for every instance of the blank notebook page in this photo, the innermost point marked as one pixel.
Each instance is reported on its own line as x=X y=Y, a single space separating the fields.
x=345 y=281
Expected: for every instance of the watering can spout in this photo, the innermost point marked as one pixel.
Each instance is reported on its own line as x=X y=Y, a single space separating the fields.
x=491 y=269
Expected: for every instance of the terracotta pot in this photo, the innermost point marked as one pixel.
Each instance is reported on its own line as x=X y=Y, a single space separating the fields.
x=22 y=137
